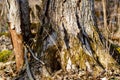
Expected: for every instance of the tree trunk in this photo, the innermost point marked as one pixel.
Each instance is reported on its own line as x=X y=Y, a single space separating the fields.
x=15 y=31
x=69 y=37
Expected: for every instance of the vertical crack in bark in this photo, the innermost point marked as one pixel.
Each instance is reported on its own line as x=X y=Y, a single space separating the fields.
x=47 y=9
x=80 y=36
x=78 y=3
x=90 y=31
x=8 y=4
x=84 y=38
x=64 y=1
x=45 y=17
x=77 y=18
x=88 y=47
x=66 y=37
x=24 y=8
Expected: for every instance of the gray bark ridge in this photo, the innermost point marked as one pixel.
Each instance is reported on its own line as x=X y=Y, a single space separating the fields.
x=14 y=15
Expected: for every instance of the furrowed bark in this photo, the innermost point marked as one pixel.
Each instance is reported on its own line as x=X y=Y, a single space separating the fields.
x=69 y=36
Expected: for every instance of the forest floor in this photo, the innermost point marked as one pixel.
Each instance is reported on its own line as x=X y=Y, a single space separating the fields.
x=8 y=68
x=8 y=72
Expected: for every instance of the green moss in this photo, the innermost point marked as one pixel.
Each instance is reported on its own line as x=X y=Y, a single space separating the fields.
x=76 y=54
x=4 y=55
x=118 y=49
x=113 y=78
x=65 y=58
x=5 y=33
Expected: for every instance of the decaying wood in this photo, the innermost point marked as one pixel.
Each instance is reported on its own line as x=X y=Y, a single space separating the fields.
x=14 y=22
x=18 y=48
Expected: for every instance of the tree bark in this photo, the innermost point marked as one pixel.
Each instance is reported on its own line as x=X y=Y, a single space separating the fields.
x=15 y=31
x=67 y=38
x=69 y=35
x=105 y=17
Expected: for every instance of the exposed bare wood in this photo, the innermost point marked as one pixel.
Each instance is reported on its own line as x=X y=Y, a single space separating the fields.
x=18 y=48
x=15 y=31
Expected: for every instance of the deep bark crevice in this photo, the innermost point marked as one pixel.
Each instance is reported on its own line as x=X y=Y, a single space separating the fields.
x=25 y=20
x=66 y=37
x=84 y=38
x=46 y=13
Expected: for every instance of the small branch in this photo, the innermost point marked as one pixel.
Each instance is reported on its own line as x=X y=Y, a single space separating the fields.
x=27 y=66
x=28 y=70
x=29 y=49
